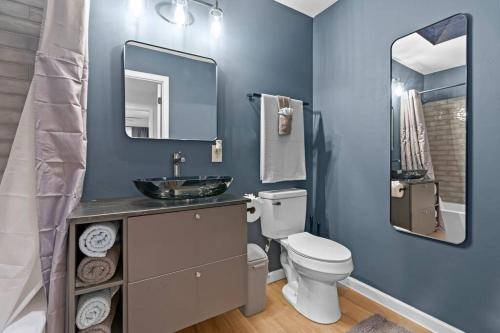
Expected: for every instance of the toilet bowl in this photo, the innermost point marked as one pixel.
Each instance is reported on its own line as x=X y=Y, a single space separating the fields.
x=312 y=264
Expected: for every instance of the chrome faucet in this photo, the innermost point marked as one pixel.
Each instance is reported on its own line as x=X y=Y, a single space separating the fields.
x=178 y=159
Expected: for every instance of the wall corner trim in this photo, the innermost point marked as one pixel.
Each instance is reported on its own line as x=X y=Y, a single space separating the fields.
x=423 y=319
x=276 y=275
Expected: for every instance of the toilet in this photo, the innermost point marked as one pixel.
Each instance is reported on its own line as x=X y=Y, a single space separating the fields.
x=312 y=264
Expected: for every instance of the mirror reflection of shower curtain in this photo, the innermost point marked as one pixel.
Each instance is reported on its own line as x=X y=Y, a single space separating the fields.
x=415 y=152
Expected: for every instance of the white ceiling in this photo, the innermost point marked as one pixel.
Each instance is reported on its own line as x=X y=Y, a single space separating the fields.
x=419 y=54
x=308 y=7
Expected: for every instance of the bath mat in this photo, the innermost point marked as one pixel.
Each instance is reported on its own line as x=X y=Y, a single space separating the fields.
x=378 y=324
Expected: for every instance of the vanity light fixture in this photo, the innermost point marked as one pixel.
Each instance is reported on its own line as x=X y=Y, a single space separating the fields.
x=181 y=12
x=216 y=15
x=398 y=87
x=136 y=8
x=177 y=12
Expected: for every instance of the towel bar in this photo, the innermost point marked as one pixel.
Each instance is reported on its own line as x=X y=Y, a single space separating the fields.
x=251 y=96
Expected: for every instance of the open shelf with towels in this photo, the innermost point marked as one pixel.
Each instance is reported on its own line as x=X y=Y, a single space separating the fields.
x=77 y=289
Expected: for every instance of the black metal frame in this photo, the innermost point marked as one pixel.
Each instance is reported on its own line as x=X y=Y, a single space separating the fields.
x=467 y=134
x=180 y=53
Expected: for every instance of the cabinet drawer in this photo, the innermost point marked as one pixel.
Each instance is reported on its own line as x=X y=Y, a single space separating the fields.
x=160 y=244
x=169 y=303
x=165 y=304
x=166 y=243
x=221 y=287
x=220 y=233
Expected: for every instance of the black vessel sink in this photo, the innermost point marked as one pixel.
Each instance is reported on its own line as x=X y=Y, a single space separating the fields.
x=179 y=188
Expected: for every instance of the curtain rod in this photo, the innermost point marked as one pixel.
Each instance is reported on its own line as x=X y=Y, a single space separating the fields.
x=257 y=95
x=436 y=89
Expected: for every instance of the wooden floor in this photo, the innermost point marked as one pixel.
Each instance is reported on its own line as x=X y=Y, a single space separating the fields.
x=280 y=317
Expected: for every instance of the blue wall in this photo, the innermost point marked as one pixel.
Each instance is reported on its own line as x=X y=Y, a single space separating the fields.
x=265 y=47
x=352 y=40
x=192 y=90
x=445 y=78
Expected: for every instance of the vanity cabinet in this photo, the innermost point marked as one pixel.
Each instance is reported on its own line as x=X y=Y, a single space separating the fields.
x=198 y=254
x=418 y=209
x=183 y=262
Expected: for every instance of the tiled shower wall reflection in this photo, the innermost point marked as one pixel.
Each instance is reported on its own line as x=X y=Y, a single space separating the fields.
x=445 y=121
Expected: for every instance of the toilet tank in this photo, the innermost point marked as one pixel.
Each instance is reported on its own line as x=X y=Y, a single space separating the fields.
x=283 y=212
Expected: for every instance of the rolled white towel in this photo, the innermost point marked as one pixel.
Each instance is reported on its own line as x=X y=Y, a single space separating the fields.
x=93 y=308
x=98 y=238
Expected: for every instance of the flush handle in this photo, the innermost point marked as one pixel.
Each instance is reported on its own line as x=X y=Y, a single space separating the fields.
x=277 y=203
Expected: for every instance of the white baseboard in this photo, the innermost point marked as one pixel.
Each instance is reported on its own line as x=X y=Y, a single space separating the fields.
x=275 y=275
x=403 y=309
x=421 y=318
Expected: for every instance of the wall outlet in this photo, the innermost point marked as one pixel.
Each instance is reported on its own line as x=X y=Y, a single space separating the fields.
x=216 y=155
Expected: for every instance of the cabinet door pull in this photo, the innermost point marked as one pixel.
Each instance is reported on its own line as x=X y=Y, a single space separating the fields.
x=198 y=274
x=197 y=216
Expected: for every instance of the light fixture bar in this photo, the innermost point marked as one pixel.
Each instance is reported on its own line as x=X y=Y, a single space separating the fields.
x=205 y=3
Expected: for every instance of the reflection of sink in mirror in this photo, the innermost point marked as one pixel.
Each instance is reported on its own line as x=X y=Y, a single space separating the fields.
x=454 y=221
x=408 y=174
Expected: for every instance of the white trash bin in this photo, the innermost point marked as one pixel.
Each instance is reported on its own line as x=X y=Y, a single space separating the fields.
x=257 y=280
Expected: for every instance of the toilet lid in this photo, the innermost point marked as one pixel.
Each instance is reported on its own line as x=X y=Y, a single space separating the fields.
x=318 y=248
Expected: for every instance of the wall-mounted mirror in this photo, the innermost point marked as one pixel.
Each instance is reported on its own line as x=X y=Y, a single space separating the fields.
x=429 y=131
x=169 y=94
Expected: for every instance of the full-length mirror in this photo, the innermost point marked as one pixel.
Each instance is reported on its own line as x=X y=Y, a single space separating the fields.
x=429 y=131
x=169 y=94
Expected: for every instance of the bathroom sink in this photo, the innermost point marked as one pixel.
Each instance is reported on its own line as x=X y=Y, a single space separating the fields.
x=179 y=188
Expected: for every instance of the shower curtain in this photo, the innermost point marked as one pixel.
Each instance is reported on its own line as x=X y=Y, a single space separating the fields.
x=20 y=271
x=43 y=179
x=60 y=84
x=415 y=153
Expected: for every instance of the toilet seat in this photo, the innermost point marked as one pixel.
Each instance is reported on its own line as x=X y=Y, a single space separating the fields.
x=319 y=254
x=318 y=248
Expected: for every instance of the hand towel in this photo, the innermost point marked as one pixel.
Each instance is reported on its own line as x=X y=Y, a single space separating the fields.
x=282 y=157
x=285 y=116
x=107 y=324
x=93 y=308
x=98 y=238
x=93 y=270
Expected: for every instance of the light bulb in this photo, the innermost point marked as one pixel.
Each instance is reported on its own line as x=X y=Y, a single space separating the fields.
x=399 y=90
x=216 y=26
x=136 y=7
x=398 y=87
x=181 y=12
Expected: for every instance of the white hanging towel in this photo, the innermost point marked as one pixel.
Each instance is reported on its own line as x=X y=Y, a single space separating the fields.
x=282 y=157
